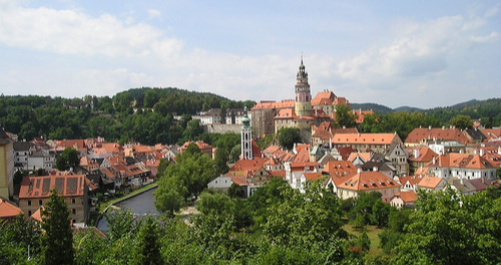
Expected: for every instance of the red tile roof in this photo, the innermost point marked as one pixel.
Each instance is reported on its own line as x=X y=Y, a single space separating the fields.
x=425 y=154
x=274 y=104
x=323 y=98
x=419 y=134
x=492 y=134
x=429 y=182
x=407 y=196
x=8 y=209
x=339 y=168
x=368 y=180
x=364 y=138
x=39 y=187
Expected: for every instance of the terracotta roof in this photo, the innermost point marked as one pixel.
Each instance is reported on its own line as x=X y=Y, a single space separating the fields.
x=247 y=167
x=270 y=150
x=303 y=154
x=366 y=156
x=278 y=173
x=341 y=100
x=339 y=168
x=75 y=143
x=419 y=134
x=39 y=187
x=299 y=166
x=256 y=151
x=239 y=180
x=429 y=182
x=313 y=176
x=323 y=98
x=407 y=196
x=274 y=104
x=480 y=184
x=364 y=138
x=425 y=154
x=37 y=215
x=368 y=180
x=462 y=161
x=360 y=115
x=492 y=134
x=8 y=209
x=413 y=180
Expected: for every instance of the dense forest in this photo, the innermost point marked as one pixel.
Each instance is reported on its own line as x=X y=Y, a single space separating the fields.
x=144 y=115
x=276 y=225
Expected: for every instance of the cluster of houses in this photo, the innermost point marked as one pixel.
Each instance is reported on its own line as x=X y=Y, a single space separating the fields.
x=349 y=162
x=104 y=167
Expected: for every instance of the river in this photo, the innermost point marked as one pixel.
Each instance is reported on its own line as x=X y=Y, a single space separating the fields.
x=140 y=205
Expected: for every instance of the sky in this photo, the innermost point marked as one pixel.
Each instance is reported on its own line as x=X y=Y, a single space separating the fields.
x=396 y=53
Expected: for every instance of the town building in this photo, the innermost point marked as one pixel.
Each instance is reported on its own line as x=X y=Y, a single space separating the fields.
x=423 y=136
x=371 y=181
x=367 y=142
x=35 y=192
x=6 y=165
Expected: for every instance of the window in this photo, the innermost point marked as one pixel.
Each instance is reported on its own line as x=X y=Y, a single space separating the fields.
x=29 y=204
x=74 y=211
x=29 y=213
x=73 y=200
x=39 y=202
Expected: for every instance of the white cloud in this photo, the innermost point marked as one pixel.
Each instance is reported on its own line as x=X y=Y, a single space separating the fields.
x=153 y=13
x=494 y=36
x=73 y=32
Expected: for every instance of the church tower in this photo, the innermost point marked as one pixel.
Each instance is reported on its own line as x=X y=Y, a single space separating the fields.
x=246 y=137
x=302 y=107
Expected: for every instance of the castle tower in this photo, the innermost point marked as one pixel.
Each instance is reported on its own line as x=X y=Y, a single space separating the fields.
x=246 y=137
x=302 y=107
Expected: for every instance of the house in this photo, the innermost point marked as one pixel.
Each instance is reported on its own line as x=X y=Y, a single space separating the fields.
x=463 y=166
x=6 y=165
x=294 y=171
x=422 y=136
x=409 y=183
x=21 y=153
x=462 y=185
x=311 y=177
x=475 y=136
x=221 y=183
x=8 y=210
x=35 y=192
x=337 y=171
x=366 y=142
x=327 y=101
x=404 y=199
x=358 y=159
x=397 y=156
x=205 y=148
x=43 y=158
x=492 y=135
x=431 y=183
x=371 y=181
x=419 y=157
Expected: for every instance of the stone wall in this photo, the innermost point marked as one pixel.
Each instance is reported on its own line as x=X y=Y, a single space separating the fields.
x=223 y=128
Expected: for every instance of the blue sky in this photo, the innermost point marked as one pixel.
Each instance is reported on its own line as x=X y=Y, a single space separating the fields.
x=415 y=53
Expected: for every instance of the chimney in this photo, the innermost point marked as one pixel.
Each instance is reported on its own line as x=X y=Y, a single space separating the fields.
x=434 y=160
x=481 y=152
x=375 y=169
x=416 y=153
x=429 y=127
x=462 y=181
x=359 y=170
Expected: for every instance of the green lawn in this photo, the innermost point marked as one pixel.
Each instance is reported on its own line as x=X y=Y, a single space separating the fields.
x=372 y=232
x=103 y=205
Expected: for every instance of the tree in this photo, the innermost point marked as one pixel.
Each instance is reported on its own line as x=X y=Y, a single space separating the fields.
x=69 y=158
x=287 y=137
x=57 y=241
x=448 y=228
x=344 y=116
x=461 y=122
x=221 y=160
x=147 y=250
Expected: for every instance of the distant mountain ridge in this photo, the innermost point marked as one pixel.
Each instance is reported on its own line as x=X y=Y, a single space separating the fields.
x=381 y=109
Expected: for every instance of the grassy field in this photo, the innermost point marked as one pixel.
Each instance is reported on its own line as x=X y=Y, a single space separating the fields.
x=372 y=233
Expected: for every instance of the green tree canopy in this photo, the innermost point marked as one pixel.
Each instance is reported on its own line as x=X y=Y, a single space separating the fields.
x=287 y=137
x=57 y=241
x=69 y=158
x=345 y=117
x=461 y=122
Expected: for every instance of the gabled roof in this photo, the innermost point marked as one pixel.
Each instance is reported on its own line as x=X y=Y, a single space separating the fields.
x=480 y=184
x=274 y=104
x=323 y=98
x=256 y=151
x=339 y=168
x=407 y=196
x=247 y=167
x=456 y=160
x=8 y=209
x=424 y=153
x=313 y=176
x=39 y=187
x=413 y=180
x=438 y=134
x=492 y=134
x=303 y=154
x=365 y=156
x=463 y=185
x=364 y=138
x=368 y=180
x=429 y=182
x=21 y=146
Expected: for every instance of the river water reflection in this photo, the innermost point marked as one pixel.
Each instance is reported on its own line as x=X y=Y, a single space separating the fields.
x=140 y=205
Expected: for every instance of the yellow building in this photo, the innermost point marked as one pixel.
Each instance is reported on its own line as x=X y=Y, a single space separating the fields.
x=6 y=165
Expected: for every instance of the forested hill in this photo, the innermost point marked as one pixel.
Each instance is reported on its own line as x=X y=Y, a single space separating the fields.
x=111 y=117
x=488 y=110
